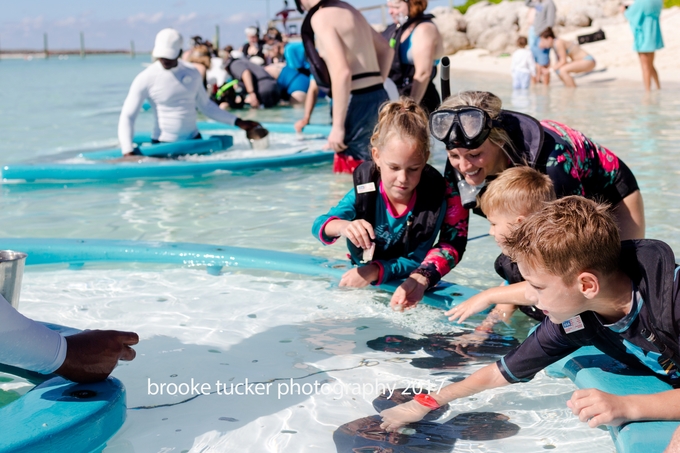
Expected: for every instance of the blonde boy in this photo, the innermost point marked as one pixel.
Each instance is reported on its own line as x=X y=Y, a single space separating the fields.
x=517 y=193
x=593 y=288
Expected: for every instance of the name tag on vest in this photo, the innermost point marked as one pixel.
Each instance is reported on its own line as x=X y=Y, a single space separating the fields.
x=364 y=188
x=573 y=324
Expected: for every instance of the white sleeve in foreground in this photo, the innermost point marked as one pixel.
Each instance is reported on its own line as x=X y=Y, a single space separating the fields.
x=27 y=344
x=211 y=110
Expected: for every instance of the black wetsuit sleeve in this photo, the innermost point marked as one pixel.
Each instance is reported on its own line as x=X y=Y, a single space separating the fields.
x=545 y=346
x=507 y=269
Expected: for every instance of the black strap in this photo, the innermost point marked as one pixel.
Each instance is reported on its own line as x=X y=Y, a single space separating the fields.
x=364 y=75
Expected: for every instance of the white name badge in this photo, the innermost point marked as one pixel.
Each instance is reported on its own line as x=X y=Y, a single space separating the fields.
x=573 y=324
x=364 y=188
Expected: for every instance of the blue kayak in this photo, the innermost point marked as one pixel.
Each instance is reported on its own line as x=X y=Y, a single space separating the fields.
x=59 y=415
x=106 y=165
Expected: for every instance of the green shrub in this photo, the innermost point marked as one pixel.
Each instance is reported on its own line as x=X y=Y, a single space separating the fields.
x=463 y=8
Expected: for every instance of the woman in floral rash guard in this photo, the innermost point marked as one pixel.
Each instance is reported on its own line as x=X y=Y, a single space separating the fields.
x=482 y=140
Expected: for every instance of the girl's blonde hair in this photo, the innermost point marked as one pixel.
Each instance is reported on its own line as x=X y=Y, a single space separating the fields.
x=405 y=119
x=492 y=105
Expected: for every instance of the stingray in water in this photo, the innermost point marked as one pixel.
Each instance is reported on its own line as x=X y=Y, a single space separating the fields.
x=365 y=435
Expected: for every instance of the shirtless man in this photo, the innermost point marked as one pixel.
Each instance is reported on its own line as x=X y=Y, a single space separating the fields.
x=174 y=89
x=353 y=60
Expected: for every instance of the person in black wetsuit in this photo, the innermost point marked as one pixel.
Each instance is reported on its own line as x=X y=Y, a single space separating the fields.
x=482 y=140
x=417 y=45
x=622 y=297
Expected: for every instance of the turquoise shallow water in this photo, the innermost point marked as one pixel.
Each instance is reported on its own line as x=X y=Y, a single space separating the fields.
x=49 y=106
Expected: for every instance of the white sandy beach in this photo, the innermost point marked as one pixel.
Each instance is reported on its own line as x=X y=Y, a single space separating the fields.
x=615 y=54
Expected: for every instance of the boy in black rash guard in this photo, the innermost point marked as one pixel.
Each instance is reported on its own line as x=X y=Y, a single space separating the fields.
x=509 y=199
x=622 y=298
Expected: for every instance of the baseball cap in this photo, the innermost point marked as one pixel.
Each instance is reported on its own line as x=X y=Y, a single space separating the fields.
x=168 y=44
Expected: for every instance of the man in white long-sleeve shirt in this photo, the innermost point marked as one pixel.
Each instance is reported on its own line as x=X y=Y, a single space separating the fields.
x=87 y=356
x=174 y=90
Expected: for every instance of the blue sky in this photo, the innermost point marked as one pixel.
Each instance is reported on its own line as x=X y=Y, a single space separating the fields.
x=113 y=24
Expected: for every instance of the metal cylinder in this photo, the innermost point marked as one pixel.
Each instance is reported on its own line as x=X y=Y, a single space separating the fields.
x=11 y=272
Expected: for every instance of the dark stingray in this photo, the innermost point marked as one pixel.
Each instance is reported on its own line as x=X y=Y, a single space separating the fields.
x=445 y=353
x=365 y=435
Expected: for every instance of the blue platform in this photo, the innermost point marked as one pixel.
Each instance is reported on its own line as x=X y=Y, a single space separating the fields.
x=60 y=416
x=170 y=168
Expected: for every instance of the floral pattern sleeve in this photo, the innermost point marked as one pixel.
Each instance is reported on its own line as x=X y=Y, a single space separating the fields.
x=579 y=166
x=448 y=252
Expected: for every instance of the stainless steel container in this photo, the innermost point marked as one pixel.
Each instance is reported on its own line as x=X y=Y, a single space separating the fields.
x=11 y=273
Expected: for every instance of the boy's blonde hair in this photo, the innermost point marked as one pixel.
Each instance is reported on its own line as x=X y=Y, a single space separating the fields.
x=406 y=120
x=518 y=191
x=568 y=236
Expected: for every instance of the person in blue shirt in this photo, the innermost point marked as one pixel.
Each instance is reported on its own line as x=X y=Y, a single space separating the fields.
x=396 y=209
x=643 y=16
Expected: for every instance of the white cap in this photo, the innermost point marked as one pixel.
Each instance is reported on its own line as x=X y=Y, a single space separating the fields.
x=236 y=54
x=168 y=44
x=251 y=31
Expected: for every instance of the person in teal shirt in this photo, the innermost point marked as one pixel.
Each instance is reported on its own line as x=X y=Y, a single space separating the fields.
x=393 y=214
x=643 y=16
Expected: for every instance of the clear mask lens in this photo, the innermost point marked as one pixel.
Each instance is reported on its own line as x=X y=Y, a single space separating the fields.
x=441 y=123
x=472 y=123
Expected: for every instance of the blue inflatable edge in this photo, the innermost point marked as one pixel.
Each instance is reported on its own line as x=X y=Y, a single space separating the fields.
x=215 y=258
x=183 y=147
x=170 y=169
x=59 y=415
x=589 y=368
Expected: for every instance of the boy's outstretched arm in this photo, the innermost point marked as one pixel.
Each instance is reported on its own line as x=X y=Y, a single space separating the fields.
x=488 y=377
x=510 y=294
x=599 y=408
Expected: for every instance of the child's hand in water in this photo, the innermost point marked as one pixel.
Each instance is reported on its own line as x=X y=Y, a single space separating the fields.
x=359 y=232
x=472 y=306
x=360 y=276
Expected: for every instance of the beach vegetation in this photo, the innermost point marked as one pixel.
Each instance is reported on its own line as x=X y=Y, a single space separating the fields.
x=670 y=3
x=464 y=7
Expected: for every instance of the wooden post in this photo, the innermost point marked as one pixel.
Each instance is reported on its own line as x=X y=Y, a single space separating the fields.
x=47 y=54
x=82 y=45
x=132 y=49
x=382 y=15
x=216 y=40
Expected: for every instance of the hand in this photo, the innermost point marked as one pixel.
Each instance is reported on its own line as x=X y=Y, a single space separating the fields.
x=474 y=338
x=475 y=304
x=401 y=415
x=251 y=99
x=409 y=293
x=359 y=232
x=360 y=276
x=300 y=124
x=93 y=354
x=247 y=125
x=598 y=408
x=336 y=140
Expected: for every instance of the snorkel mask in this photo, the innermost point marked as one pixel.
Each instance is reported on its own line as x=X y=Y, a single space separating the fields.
x=462 y=127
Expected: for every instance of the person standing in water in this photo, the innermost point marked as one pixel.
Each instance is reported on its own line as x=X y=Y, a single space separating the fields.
x=417 y=46
x=352 y=62
x=643 y=16
x=174 y=89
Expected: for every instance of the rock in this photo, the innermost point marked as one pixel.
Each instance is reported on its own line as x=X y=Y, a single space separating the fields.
x=581 y=13
x=449 y=18
x=451 y=26
x=504 y=18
